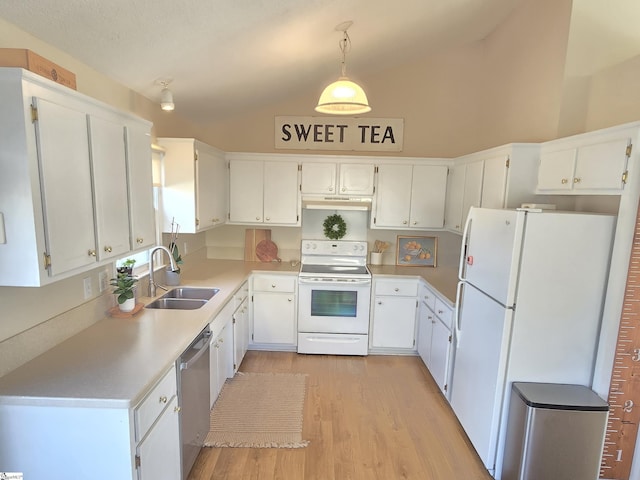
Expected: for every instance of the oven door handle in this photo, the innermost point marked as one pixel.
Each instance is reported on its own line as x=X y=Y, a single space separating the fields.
x=334 y=281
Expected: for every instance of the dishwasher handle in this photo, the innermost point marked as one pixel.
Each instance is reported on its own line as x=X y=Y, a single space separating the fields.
x=187 y=362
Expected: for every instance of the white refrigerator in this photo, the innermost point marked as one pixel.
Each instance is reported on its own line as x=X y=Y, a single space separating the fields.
x=531 y=292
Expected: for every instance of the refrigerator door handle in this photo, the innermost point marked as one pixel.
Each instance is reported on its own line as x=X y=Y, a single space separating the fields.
x=462 y=270
x=456 y=323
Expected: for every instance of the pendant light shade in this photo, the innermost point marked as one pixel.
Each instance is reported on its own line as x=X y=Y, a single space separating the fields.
x=343 y=97
x=166 y=96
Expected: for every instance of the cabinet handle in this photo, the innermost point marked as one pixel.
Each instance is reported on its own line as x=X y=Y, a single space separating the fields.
x=415 y=223
x=440 y=312
x=273 y=286
x=257 y=218
x=564 y=181
x=289 y=299
x=268 y=219
x=176 y=409
x=221 y=340
x=331 y=189
x=396 y=289
x=107 y=249
x=139 y=240
x=577 y=180
x=91 y=253
x=379 y=303
x=404 y=222
x=163 y=399
x=216 y=345
x=344 y=189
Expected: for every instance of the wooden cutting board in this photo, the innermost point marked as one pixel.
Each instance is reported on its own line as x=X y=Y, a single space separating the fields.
x=267 y=251
x=252 y=237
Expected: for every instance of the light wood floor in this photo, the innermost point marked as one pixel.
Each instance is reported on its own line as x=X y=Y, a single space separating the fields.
x=375 y=417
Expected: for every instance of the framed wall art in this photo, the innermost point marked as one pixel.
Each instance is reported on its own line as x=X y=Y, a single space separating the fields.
x=416 y=251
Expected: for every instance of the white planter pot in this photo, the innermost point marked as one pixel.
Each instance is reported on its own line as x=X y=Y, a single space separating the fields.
x=128 y=305
x=172 y=278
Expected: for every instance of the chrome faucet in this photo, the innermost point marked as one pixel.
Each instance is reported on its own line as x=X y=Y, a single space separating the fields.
x=174 y=268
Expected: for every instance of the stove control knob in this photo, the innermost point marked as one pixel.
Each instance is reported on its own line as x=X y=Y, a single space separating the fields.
x=307 y=246
x=314 y=246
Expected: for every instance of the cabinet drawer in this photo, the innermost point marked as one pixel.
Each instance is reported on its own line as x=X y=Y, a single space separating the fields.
x=402 y=288
x=427 y=296
x=444 y=312
x=275 y=283
x=154 y=403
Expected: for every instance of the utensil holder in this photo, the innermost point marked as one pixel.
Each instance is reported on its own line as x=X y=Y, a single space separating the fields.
x=376 y=258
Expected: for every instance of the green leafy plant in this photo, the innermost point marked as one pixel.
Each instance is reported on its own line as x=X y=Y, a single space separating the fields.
x=125 y=285
x=173 y=248
x=127 y=266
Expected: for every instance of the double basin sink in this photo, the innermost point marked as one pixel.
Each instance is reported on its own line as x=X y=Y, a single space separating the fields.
x=184 y=298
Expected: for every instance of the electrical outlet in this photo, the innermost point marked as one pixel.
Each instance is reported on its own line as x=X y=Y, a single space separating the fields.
x=88 y=290
x=103 y=278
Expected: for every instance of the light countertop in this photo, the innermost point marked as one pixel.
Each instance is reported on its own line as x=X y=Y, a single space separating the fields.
x=116 y=361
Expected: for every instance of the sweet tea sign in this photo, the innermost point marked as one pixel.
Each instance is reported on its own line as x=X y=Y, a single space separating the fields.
x=334 y=133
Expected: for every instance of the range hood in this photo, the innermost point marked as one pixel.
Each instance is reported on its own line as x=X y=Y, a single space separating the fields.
x=336 y=203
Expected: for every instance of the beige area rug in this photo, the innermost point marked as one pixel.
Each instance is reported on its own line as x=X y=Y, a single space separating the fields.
x=259 y=410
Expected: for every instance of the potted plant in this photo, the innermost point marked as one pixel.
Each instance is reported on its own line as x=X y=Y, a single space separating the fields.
x=125 y=291
x=127 y=266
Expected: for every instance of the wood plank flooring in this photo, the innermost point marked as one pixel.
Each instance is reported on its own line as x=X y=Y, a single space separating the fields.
x=375 y=417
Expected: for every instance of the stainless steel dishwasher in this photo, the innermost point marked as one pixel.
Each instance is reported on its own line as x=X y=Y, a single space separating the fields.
x=193 y=398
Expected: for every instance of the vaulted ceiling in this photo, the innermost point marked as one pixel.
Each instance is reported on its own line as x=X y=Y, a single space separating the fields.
x=229 y=57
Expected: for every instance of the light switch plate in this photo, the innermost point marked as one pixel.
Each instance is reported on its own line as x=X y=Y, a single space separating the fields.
x=88 y=290
x=103 y=280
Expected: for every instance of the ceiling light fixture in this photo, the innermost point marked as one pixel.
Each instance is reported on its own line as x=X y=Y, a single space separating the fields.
x=343 y=97
x=166 y=97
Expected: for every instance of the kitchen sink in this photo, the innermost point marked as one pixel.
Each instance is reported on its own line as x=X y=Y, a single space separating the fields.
x=191 y=293
x=184 y=298
x=177 y=303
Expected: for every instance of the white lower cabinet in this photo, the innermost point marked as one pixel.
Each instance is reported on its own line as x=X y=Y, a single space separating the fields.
x=274 y=311
x=241 y=326
x=159 y=451
x=220 y=351
x=435 y=338
x=393 y=320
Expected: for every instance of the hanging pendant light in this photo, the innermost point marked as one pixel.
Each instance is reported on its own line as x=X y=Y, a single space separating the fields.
x=166 y=97
x=343 y=97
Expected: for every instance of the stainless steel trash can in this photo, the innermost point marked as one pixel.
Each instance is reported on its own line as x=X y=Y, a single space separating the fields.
x=554 y=431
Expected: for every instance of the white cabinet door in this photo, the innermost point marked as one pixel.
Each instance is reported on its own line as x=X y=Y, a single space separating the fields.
x=215 y=380
x=394 y=322
x=246 y=191
x=225 y=354
x=110 y=192
x=556 y=170
x=455 y=196
x=205 y=192
x=274 y=318
x=281 y=193
x=319 y=178
x=65 y=171
x=356 y=179
x=393 y=196
x=159 y=451
x=440 y=349
x=472 y=188
x=600 y=166
x=241 y=334
x=428 y=194
x=426 y=320
x=494 y=182
x=140 y=182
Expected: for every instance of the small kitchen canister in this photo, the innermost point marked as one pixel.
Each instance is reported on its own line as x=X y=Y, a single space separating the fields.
x=376 y=258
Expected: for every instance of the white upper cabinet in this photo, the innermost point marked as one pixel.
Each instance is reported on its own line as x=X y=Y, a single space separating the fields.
x=337 y=178
x=410 y=196
x=64 y=203
x=264 y=191
x=140 y=181
x=592 y=163
x=501 y=177
x=195 y=183
x=110 y=192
